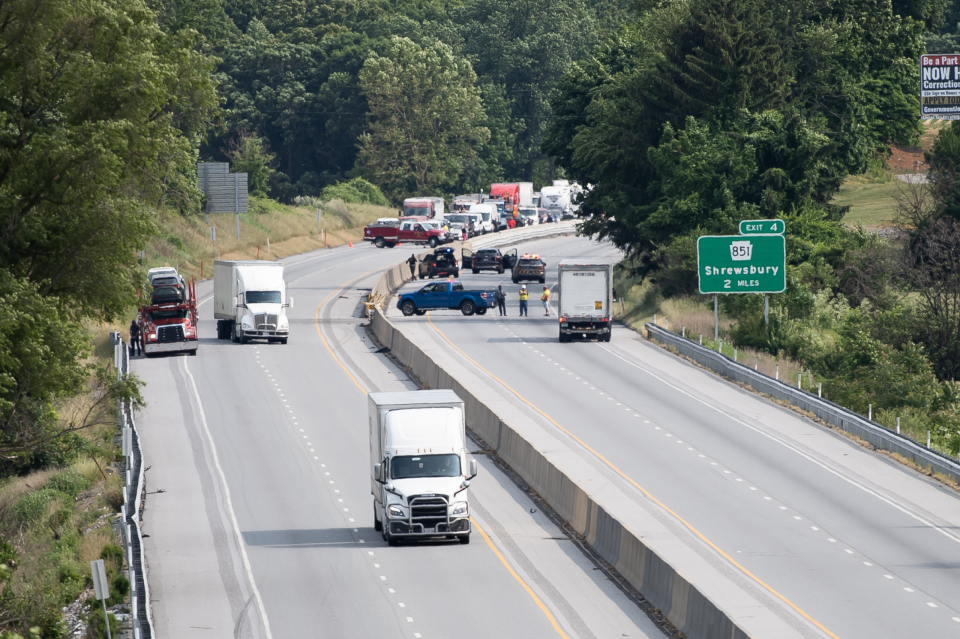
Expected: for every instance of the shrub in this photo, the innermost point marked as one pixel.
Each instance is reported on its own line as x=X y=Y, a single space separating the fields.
x=30 y=508
x=356 y=191
x=70 y=482
x=96 y=628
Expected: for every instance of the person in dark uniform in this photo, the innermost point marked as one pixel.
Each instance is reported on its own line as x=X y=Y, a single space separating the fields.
x=501 y=300
x=135 y=348
x=413 y=266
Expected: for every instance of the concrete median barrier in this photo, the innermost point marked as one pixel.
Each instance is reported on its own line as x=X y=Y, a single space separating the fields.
x=641 y=550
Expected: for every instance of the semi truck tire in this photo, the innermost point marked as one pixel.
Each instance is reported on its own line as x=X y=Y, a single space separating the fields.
x=283 y=340
x=408 y=308
x=467 y=307
x=379 y=243
x=606 y=338
x=377 y=526
x=465 y=539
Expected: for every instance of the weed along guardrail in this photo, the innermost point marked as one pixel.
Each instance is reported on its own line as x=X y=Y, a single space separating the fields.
x=132 y=472
x=862 y=427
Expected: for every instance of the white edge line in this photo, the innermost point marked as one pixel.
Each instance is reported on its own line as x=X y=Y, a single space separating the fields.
x=789 y=447
x=229 y=505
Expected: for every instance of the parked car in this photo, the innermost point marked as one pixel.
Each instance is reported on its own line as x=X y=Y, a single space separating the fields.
x=489 y=259
x=442 y=263
x=530 y=267
x=446 y=295
x=467 y=219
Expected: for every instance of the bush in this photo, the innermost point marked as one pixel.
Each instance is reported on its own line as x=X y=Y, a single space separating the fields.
x=29 y=508
x=356 y=191
x=119 y=589
x=69 y=482
x=96 y=628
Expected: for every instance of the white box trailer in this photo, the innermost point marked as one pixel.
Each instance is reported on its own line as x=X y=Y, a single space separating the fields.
x=526 y=194
x=585 y=297
x=420 y=471
x=250 y=301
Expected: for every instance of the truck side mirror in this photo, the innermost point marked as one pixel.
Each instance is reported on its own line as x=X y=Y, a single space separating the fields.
x=290 y=302
x=473 y=469
x=378 y=473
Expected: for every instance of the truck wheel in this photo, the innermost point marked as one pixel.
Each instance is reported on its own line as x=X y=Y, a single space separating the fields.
x=282 y=340
x=482 y=310
x=563 y=338
x=387 y=537
x=377 y=524
x=500 y=270
x=433 y=242
x=379 y=243
x=233 y=333
x=467 y=307
x=465 y=539
x=543 y=280
x=606 y=338
x=408 y=308
x=516 y=281
x=193 y=353
x=476 y=271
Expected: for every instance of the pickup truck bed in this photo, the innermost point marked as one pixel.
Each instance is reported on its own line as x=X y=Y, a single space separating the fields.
x=446 y=296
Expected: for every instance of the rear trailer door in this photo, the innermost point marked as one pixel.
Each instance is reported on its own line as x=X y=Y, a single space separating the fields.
x=583 y=293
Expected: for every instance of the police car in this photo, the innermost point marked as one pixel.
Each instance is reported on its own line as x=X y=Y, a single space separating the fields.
x=529 y=267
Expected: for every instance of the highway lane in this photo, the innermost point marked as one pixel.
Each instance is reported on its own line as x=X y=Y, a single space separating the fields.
x=285 y=425
x=862 y=545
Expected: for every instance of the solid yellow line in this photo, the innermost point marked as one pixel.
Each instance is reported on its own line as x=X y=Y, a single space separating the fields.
x=639 y=487
x=322 y=339
x=513 y=572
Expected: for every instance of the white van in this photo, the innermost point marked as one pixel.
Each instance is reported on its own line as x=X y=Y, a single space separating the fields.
x=489 y=216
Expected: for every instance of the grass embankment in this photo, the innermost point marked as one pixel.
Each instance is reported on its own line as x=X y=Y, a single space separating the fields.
x=53 y=522
x=872 y=204
x=184 y=242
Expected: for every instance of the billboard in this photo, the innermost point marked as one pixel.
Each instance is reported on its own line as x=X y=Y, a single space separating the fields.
x=940 y=86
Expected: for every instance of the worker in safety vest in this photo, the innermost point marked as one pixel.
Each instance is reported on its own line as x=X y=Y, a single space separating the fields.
x=524 y=296
x=545 y=298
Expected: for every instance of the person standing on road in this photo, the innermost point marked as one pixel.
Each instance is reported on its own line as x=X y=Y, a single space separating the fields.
x=524 y=296
x=545 y=298
x=413 y=266
x=501 y=301
x=135 y=348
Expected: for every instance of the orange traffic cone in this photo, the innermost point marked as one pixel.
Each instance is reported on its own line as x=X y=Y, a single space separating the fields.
x=351 y=244
x=399 y=243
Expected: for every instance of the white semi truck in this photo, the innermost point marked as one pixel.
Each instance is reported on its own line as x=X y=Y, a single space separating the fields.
x=250 y=301
x=585 y=292
x=420 y=468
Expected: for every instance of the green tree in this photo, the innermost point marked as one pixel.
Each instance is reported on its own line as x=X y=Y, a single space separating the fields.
x=423 y=123
x=249 y=155
x=99 y=110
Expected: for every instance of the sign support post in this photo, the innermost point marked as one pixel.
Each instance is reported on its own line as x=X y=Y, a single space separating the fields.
x=766 y=312
x=716 y=317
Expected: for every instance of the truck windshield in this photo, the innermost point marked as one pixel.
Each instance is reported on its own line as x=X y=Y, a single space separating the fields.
x=405 y=467
x=486 y=217
x=263 y=297
x=417 y=209
x=164 y=314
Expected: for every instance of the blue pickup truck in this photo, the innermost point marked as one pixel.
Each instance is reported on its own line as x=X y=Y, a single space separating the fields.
x=446 y=295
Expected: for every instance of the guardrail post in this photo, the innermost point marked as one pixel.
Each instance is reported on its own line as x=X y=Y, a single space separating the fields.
x=734 y=354
x=898 y=425
x=870 y=412
x=798 y=380
x=928 y=439
x=683 y=331
x=819 y=389
x=777 y=374
x=756 y=363
x=716 y=317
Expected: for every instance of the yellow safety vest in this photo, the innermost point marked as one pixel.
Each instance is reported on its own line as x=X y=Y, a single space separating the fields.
x=524 y=296
x=546 y=296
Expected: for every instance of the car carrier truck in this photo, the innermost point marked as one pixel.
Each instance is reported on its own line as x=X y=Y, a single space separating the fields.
x=168 y=324
x=420 y=471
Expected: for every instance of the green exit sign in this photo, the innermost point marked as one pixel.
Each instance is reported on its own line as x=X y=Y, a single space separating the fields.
x=761 y=227
x=742 y=263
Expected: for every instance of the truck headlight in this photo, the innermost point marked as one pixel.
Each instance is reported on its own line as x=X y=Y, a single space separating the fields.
x=459 y=508
x=396 y=511
x=246 y=322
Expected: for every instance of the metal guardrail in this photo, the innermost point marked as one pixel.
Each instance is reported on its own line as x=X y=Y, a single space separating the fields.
x=132 y=470
x=504 y=238
x=856 y=424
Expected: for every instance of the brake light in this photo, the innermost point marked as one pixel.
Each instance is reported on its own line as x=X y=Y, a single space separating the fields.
x=605 y=319
x=562 y=319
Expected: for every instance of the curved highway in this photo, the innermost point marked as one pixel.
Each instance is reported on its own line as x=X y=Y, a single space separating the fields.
x=838 y=541
x=258 y=514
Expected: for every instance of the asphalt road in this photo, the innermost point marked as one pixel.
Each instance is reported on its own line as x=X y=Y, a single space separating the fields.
x=839 y=540
x=259 y=509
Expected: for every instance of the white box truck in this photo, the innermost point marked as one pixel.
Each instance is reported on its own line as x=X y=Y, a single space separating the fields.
x=420 y=468
x=584 y=293
x=249 y=301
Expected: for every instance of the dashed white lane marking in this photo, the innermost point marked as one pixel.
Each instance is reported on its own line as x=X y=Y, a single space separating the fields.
x=909 y=589
x=848 y=551
x=391 y=591
x=402 y=605
x=409 y=619
x=867 y=563
x=383 y=578
x=931 y=604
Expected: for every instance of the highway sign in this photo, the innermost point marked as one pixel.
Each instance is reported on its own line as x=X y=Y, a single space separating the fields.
x=742 y=263
x=761 y=227
x=940 y=86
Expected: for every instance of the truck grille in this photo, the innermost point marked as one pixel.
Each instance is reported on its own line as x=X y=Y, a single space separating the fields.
x=428 y=511
x=265 y=322
x=170 y=333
